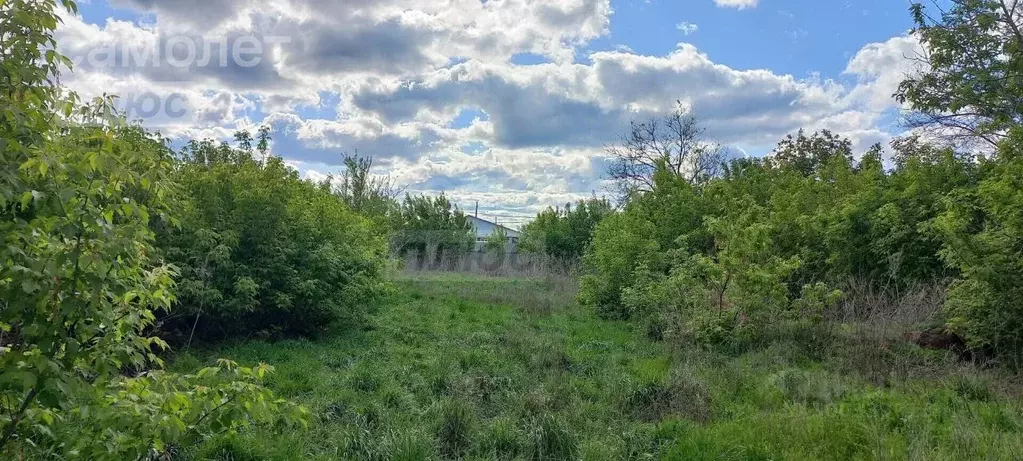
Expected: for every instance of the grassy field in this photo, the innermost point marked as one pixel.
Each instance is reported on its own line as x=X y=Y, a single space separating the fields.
x=453 y=367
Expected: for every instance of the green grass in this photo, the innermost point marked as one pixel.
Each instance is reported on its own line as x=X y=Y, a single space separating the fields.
x=456 y=367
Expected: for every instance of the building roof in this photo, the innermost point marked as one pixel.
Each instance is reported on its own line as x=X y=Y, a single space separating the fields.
x=476 y=222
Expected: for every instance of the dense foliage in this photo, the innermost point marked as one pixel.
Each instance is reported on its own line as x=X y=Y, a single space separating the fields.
x=80 y=283
x=756 y=244
x=430 y=226
x=746 y=241
x=564 y=233
x=261 y=250
x=113 y=245
x=982 y=228
x=770 y=238
x=969 y=90
x=806 y=220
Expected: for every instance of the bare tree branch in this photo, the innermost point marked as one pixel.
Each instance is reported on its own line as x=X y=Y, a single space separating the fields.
x=674 y=141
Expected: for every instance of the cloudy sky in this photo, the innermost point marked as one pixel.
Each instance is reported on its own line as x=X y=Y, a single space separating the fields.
x=507 y=102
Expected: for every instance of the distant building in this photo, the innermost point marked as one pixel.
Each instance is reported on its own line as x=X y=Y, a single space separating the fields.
x=483 y=230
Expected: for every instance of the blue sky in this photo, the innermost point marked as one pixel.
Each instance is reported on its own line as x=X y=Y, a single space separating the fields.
x=798 y=37
x=508 y=102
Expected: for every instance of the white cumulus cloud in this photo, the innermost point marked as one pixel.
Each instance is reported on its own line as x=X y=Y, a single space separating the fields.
x=432 y=91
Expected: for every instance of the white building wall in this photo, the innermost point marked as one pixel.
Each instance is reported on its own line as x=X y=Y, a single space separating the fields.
x=483 y=230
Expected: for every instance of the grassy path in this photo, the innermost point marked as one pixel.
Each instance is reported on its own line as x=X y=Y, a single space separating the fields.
x=501 y=369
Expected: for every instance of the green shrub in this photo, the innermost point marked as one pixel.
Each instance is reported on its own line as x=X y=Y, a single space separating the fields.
x=740 y=285
x=564 y=233
x=814 y=300
x=983 y=231
x=81 y=282
x=623 y=242
x=262 y=251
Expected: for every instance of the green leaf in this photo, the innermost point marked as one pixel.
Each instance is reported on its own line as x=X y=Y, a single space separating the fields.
x=29 y=286
x=26 y=199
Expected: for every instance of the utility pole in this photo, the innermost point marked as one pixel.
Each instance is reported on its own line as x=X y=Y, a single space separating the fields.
x=477 y=213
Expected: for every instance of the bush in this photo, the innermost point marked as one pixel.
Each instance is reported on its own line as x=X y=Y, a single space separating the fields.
x=262 y=251
x=564 y=233
x=770 y=238
x=80 y=282
x=623 y=243
x=984 y=232
x=740 y=284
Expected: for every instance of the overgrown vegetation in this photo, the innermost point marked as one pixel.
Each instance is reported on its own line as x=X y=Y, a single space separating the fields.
x=564 y=233
x=760 y=309
x=427 y=227
x=463 y=367
x=261 y=251
x=750 y=246
x=716 y=259
x=80 y=283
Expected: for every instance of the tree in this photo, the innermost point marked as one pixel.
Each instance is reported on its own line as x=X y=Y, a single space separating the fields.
x=426 y=225
x=971 y=92
x=622 y=243
x=567 y=232
x=497 y=241
x=973 y=70
x=371 y=195
x=262 y=251
x=675 y=140
x=982 y=228
x=808 y=154
x=902 y=230
x=79 y=276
